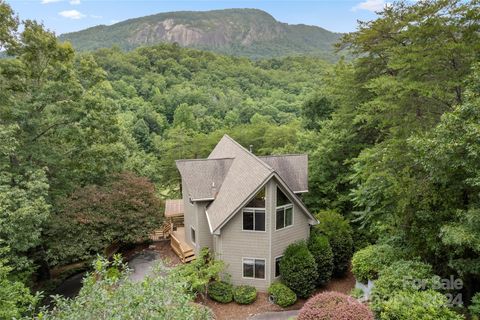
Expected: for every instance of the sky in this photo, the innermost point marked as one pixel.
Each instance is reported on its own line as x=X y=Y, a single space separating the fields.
x=63 y=16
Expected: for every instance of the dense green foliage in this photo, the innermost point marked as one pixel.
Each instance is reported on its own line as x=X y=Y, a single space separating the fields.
x=392 y=138
x=281 y=294
x=474 y=307
x=403 y=275
x=369 y=261
x=220 y=291
x=241 y=32
x=334 y=306
x=298 y=269
x=319 y=247
x=15 y=298
x=124 y=210
x=422 y=305
x=339 y=233
x=107 y=293
x=244 y=294
x=200 y=272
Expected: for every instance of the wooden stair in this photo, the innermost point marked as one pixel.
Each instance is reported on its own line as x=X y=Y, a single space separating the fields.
x=180 y=247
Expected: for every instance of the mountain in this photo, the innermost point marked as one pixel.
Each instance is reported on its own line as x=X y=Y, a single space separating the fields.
x=243 y=32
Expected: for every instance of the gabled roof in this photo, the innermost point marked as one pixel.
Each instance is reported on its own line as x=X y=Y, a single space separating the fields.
x=293 y=168
x=203 y=177
x=237 y=174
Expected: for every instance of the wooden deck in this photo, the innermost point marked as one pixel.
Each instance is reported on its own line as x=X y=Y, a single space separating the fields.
x=173 y=227
x=180 y=246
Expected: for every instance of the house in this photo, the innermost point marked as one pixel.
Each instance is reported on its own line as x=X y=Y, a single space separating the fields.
x=245 y=208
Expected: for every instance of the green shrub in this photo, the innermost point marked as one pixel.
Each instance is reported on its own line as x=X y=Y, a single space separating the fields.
x=282 y=295
x=367 y=263
x=322 y=252
x=357 y=293
x=401 y=275
x=245 y=294
x=420 y=305
x=220 y=291
x=474 y=307
x=298 y=269
x=339 y=234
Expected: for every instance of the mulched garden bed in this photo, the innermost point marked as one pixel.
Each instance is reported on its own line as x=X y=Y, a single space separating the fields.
x=233 y=311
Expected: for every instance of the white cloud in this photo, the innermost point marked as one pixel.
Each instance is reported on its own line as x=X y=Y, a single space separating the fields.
x=72 y=14
x=50 y=1
x=74 y=2
x=371 y=5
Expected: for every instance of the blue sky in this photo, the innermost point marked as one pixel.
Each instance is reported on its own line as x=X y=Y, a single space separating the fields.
x=71 y=15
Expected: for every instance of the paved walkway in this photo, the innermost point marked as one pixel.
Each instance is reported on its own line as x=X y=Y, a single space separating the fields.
x=280 y=315
x=142 y=264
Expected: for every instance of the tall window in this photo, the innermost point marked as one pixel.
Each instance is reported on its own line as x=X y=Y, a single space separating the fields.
x=254 y=213
x=284 y=214
x=193 y=236
x=254 y=268
x=277 y=266
x=254 y=219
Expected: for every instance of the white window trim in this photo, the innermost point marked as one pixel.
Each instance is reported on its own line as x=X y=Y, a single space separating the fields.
x=253 y=209
x=265 y=268
x=275 y=264
x=194 y=241
x=286 y=206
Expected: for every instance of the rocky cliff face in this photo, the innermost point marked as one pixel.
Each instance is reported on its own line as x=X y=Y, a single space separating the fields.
x=248 y=32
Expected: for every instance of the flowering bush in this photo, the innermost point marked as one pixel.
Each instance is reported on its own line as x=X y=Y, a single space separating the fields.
x=334 y=306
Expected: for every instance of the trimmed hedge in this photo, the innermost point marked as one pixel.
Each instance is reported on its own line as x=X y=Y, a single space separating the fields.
x=298 y=269
x=220 y=291
x=420 y=305
x=369 y=261
x=322 y=252
x=245 y=294
x=334 y=306
x=282 y=295
x=339 y=234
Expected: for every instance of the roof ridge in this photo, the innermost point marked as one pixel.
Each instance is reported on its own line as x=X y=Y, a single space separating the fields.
x=249 y=153
x=285 y=155
x=204 y=159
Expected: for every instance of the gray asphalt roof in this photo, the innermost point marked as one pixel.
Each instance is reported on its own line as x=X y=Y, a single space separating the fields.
x=231 y=174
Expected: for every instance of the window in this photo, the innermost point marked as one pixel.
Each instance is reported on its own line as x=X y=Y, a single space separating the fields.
x=284 y=215
x=254 y=219
x=282 y=199
x=254 y=268
x=258 y=201
x=192 y=234
x=277 y=266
